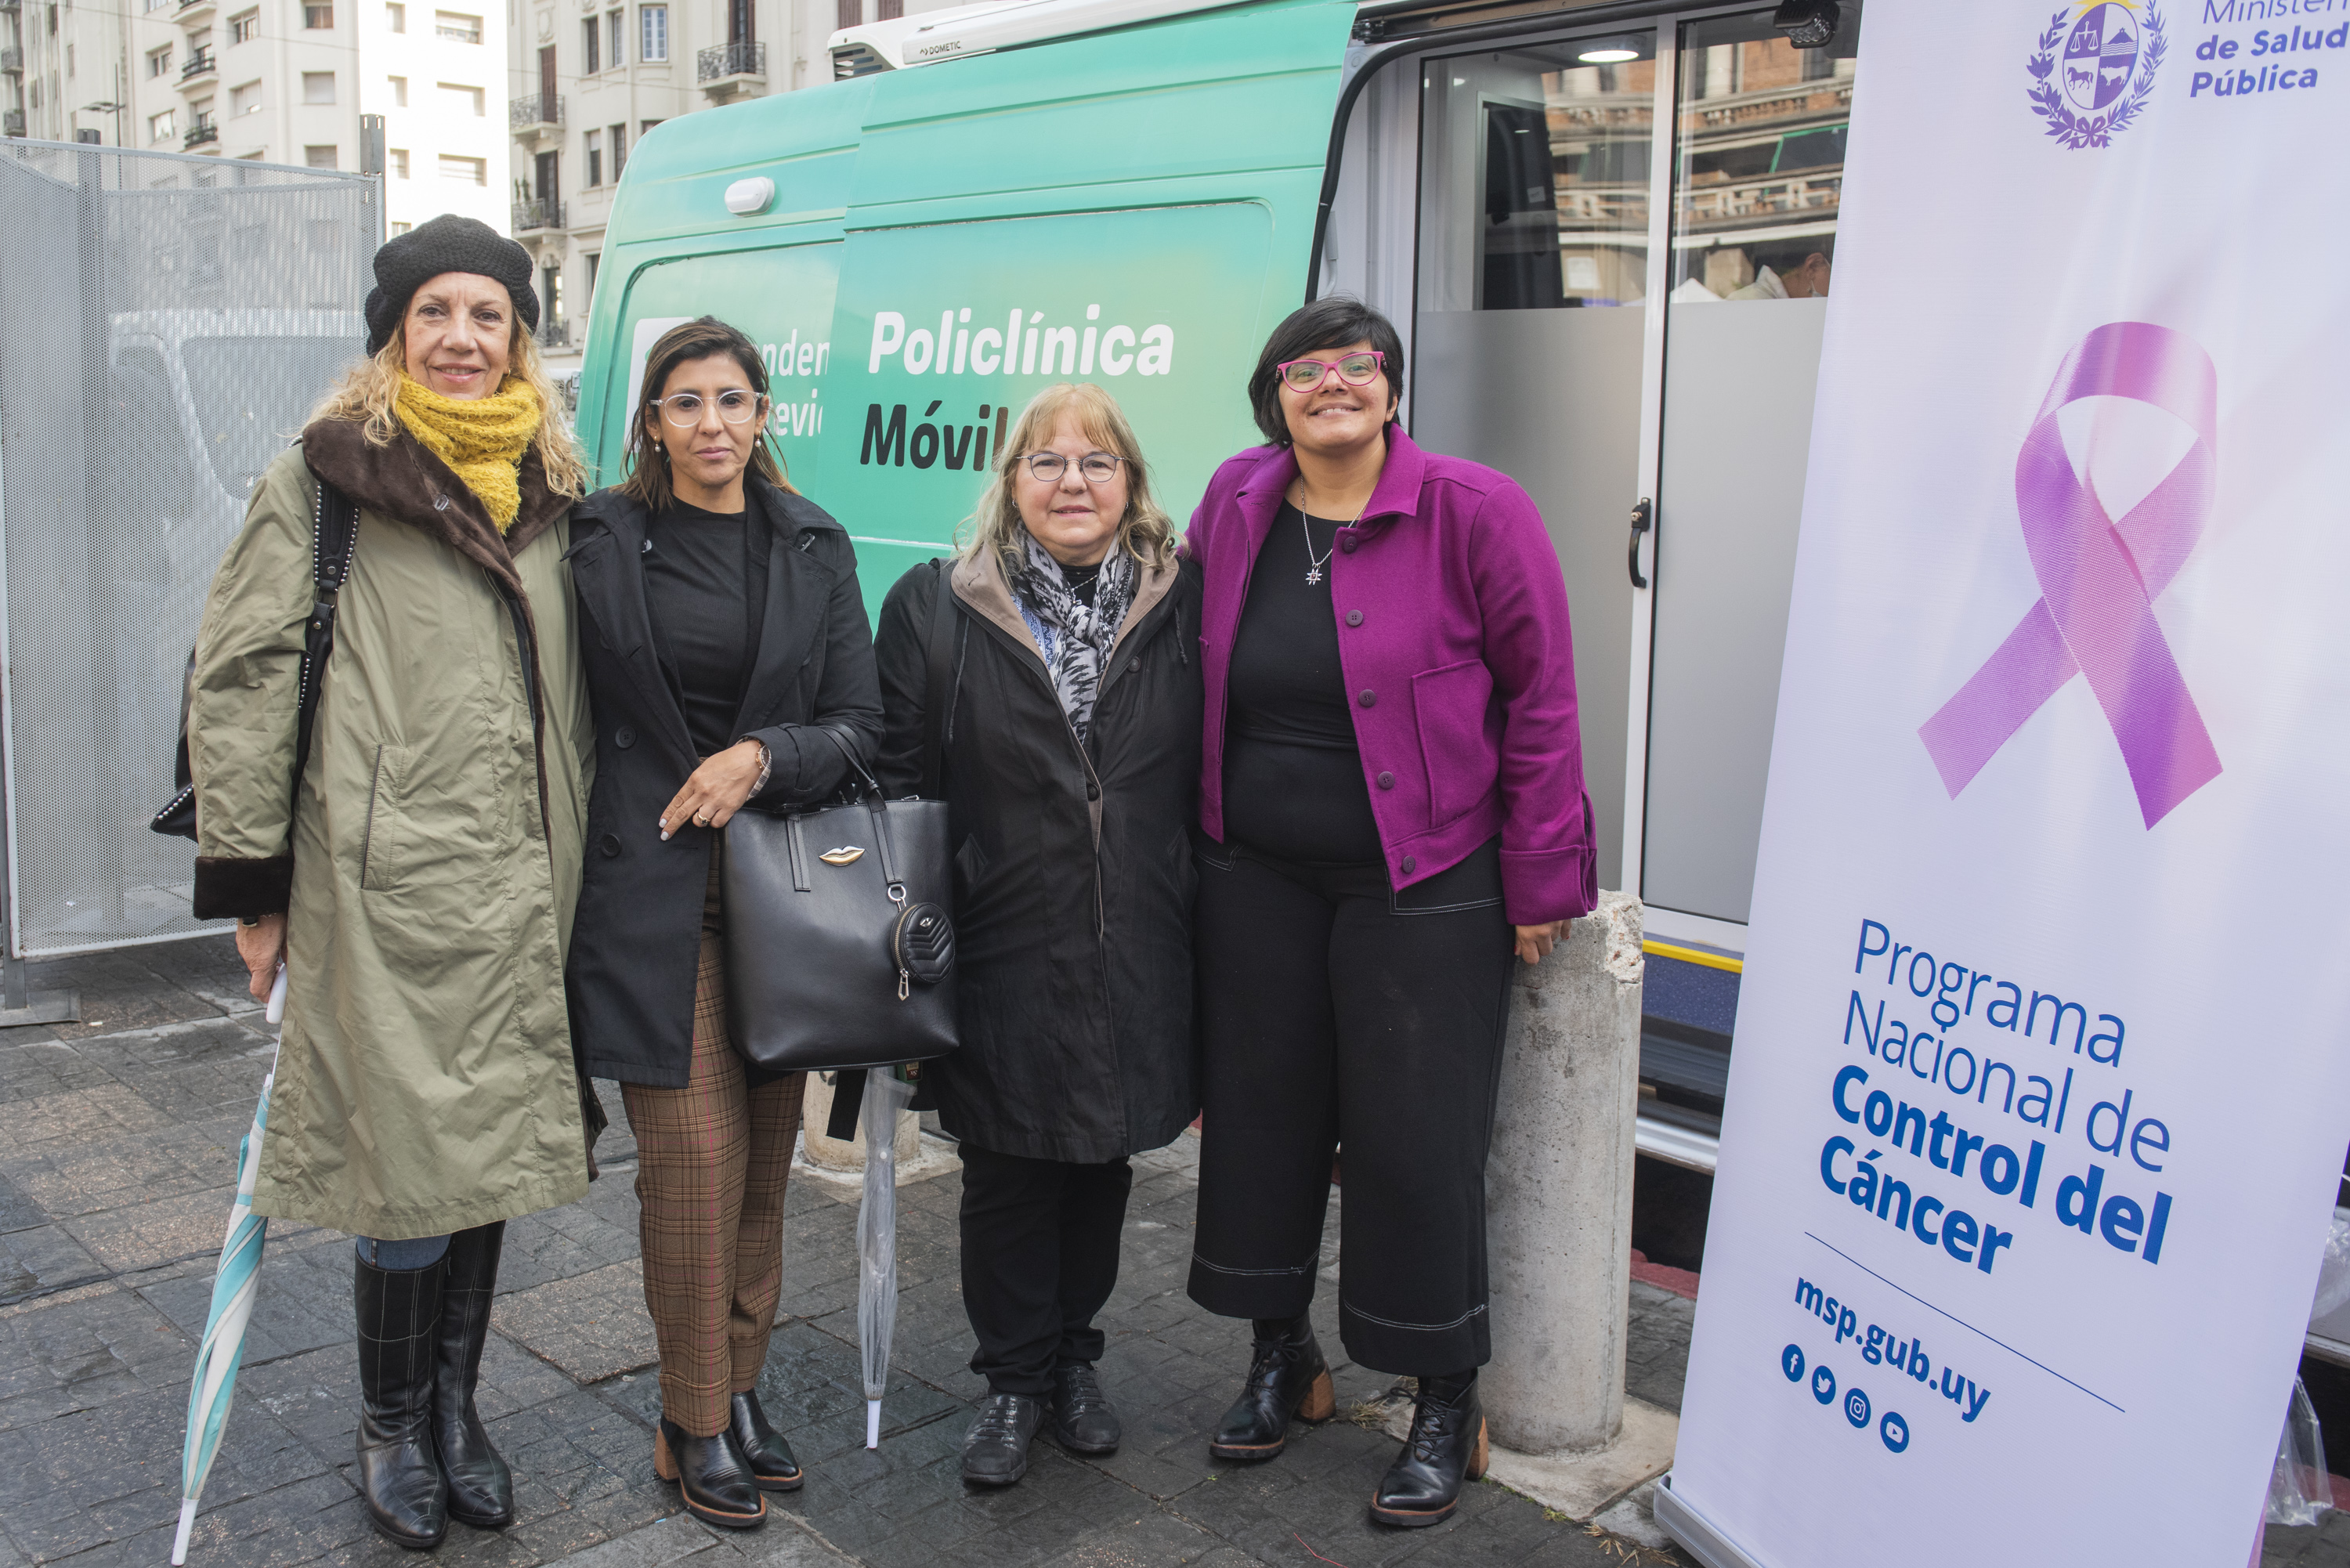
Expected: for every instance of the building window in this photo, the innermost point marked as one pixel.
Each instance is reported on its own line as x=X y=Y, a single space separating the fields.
x=318 y=157
x=889 y=10
x=400 y=228
x=616 y=35
x=595 y=264
x=318 y=87
x=590 y=35
x=466 y=171
x=595 y=158
x=395 y=16
x=851 y=14
x=461 y=100
x=398 y=159
x=652 y=45
x=319 y=18
x=159 y=61
x=247 y=99
x=244 y=27
x=619 y=134
x=69 y=65
x=398 y=91
x=162 y=126
x=457 y=28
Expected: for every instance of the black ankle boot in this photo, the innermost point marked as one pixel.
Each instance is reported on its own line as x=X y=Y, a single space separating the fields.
x=1083 y=1417
x=1447 y=1447
x=480 y=1488
x=1287 y=1377
x=995 y=1449
x=763 y=1449
x=711 y=1475
x=399 y=1321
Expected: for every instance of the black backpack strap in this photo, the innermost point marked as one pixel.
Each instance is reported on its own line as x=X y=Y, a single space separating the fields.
x=938 y=697
x=334 y=538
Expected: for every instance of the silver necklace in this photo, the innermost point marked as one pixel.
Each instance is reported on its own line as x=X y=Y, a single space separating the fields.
x=1314 y=563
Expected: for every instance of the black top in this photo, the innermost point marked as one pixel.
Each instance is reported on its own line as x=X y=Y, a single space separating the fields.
x=706 y=590
x=1292 y=777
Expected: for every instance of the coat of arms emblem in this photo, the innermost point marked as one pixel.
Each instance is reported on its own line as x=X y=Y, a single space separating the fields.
x=2095 y=68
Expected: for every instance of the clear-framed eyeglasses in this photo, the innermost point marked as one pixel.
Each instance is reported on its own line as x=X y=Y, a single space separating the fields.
x=683 y=410
x=1355 y=369
x=1098 y=467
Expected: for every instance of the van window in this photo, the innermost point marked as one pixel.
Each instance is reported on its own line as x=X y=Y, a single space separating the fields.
x=251 y=396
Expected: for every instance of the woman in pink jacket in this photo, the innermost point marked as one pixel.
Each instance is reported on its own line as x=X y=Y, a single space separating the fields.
x=1391 y=803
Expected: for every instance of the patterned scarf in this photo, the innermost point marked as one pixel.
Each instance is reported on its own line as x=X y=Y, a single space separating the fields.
x=481 y=439
x=1076 y=637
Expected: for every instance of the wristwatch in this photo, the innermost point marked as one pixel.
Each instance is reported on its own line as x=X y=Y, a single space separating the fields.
x=766 y=766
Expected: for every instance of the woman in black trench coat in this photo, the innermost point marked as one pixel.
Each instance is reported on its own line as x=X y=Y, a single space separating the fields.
x=1071 y=766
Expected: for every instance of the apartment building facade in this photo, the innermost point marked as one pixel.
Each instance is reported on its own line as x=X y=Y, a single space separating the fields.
x=285 y=81
x=592 y=77
x=62 y=75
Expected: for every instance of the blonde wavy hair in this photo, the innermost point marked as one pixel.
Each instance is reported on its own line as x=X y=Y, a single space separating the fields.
x=1146 y=532
x=368 y=390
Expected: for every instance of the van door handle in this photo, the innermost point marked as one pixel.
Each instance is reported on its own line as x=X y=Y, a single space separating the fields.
x=1644 y=517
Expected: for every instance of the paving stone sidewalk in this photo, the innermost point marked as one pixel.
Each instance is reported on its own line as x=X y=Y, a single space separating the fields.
x=116 y=1167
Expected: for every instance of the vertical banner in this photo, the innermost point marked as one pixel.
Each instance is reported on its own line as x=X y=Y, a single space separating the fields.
x=2042 y=1082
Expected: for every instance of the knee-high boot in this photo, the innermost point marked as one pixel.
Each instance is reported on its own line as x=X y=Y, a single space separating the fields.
x=480 y=1487
x=399 y=1319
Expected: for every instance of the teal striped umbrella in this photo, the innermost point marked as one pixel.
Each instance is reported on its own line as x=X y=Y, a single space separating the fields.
x=213 y=1388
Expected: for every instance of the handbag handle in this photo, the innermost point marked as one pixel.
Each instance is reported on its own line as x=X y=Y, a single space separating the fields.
x=878 y=807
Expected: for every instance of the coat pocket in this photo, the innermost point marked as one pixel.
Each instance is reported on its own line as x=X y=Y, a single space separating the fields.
x=379 y=846
x=1460 y=736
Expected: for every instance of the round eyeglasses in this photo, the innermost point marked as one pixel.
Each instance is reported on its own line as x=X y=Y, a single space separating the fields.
x=683 y=410
x=1355 y=369
x=1098 y=467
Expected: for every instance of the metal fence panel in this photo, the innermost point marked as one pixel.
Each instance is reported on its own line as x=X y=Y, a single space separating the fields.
x=166 y=324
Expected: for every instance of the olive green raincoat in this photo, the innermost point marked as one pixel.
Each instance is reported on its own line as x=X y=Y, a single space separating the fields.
x=426 y=1081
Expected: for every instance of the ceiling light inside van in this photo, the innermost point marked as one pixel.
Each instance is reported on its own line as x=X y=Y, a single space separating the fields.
x=1607 y=57
x=746 y=197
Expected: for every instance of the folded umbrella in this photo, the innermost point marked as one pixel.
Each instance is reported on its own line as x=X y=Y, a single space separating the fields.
x=885 y=1095
x=234 y=1283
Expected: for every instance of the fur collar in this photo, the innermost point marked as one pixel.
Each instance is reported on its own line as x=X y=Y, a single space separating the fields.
x=405 y=483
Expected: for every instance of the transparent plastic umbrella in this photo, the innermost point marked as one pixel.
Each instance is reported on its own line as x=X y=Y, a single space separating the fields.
x=885 y=1095
x=234 y=1283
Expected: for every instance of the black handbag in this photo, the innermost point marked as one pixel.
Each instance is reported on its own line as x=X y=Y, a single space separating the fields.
x=839 y=948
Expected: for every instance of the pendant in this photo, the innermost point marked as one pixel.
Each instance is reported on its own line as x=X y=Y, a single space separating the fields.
x=1313 y=576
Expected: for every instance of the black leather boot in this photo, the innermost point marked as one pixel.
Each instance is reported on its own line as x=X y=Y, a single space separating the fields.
x=1288 y=1378
x=399 y=1321
x=995 y=1449
x=763 y=1449
x=480 y=1488
x=1447 y=1447
x=1083 y=1419
x=711 y=1475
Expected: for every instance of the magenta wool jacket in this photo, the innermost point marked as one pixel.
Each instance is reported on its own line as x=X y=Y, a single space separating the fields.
x=1452 y=631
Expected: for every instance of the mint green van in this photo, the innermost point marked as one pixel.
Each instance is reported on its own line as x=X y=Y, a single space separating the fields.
x=1605 y=230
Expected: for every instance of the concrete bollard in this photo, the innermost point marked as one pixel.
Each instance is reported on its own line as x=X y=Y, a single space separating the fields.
x=1558 y=1189
x=835 y=1154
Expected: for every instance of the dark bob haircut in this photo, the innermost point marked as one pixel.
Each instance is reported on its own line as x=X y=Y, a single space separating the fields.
x=1340 y=318
x=647 y=465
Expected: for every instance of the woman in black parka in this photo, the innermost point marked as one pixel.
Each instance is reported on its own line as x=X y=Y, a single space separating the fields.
x=1071 y=766
x=723 y=630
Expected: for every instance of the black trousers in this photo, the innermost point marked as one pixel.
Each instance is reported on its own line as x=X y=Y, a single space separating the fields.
x=1039 y=1259
x=1338 y=1012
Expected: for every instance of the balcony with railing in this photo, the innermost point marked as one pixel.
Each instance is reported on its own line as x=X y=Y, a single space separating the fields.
x=12 y=61
x=536 y=118
x=200 y=63
x=12 y=122
x=192 y=11
x=537 y=213
x=204 y=129
x=727 y=69
x=554 y=334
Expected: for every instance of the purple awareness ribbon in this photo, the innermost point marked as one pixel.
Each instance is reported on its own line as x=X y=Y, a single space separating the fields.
x=2099 y=578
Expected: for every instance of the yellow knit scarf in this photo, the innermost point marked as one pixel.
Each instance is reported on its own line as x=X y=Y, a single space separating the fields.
x=481 y=439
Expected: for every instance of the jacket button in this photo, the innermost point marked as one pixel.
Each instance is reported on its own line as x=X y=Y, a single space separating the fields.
x=1367 y=698
x=1387 y=781
x=1347 y=545
x=1409 y=863
x=1135 y=663
x=612 y=844
x=624 y=737
x=1354 y=618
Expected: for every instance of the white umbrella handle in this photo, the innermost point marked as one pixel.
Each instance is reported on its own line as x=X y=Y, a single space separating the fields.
x=276 y=1013
x=179 y=1542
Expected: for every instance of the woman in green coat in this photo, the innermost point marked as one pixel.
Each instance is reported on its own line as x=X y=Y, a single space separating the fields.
x=420 y=897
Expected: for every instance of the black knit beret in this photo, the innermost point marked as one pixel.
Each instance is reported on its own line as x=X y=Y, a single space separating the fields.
x=406 y=263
